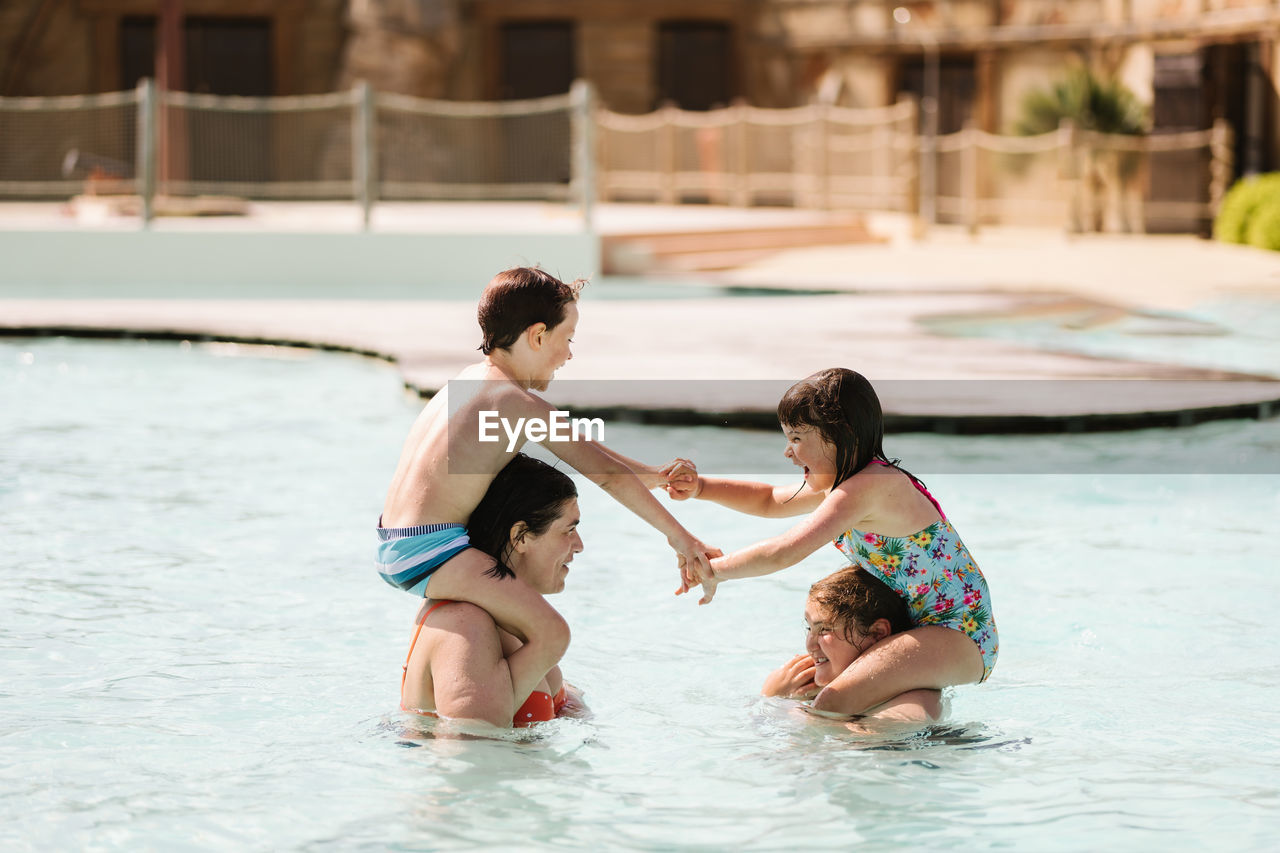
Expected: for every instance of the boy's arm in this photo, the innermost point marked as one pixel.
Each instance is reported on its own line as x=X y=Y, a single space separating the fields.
x=624 y=486
x=607 y=471
x=648 y=474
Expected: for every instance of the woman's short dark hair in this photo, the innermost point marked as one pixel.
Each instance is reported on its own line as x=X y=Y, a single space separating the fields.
x=516 y=299
x=526 y=490
x=855 y=598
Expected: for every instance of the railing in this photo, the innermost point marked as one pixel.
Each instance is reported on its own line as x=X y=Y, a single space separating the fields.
x=1083 y=180
x=358 y=145
x=816 y=156
x=364 y=146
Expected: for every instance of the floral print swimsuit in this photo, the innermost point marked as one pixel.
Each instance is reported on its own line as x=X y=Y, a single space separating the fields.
x=934 y=571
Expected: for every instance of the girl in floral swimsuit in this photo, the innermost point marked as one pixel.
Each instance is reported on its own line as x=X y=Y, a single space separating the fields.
x=881 y=519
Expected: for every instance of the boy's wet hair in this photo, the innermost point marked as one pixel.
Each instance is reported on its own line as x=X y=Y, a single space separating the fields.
x=516 y=299
x=843 y=407
x=525 y=490
x=855 y=598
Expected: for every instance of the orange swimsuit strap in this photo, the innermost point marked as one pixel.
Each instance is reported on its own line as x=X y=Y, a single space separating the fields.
x=538 y=708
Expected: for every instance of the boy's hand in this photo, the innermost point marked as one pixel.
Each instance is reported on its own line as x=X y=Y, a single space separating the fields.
x=681 y=479
x=694 y=561
x=792 y=680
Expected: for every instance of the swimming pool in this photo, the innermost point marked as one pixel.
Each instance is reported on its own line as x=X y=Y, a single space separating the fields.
x=1239 y=334
x=197 y=653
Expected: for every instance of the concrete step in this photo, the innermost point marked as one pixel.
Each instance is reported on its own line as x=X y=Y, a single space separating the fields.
x=689 y=251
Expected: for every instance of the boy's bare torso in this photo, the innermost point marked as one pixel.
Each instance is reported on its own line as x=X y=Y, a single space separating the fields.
x=444 y=469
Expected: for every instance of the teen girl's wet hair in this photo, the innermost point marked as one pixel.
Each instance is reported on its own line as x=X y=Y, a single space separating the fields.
x=526 y=490
x=855 y=598
x=843 y=407
x=516 y=299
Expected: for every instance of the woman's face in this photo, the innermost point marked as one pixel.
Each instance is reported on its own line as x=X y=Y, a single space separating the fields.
x=807 y=448
x=826 y=642
x=543 y=561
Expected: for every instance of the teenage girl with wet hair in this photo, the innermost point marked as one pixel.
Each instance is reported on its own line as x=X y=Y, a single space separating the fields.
x=880 y=518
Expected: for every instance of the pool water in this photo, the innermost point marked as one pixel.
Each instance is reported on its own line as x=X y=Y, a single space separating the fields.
x=196 y=652
x=1227 y=334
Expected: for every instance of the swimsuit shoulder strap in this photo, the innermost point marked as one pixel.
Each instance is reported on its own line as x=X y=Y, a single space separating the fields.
x=919 y=487
x=414 y=642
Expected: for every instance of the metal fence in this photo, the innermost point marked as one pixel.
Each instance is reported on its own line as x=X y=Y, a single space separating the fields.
x=367 y=146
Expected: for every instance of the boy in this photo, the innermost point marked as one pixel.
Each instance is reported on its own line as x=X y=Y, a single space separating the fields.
x=528 y=318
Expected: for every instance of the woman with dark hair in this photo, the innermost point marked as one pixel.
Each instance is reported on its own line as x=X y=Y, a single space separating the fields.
x=460 y=663
x=847 y=613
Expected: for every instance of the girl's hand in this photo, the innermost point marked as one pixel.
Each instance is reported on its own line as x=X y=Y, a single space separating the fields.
x=792 y=680
x=681 y=479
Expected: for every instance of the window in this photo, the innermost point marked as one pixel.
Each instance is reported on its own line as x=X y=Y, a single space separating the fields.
x=694 y=67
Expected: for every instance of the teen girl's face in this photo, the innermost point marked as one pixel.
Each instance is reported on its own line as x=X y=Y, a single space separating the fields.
x=543 y=561
x=825 y=641
x=807 y=448
x=556 y=346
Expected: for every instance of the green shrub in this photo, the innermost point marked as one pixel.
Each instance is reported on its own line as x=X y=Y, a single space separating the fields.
x=1264 y=224
x=1242 y=203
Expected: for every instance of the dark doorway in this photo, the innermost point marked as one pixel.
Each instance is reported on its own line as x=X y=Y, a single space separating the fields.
x=537 y=59
x=694 y=64
x=957 y=85
x=1238 y=90
x=224 y=56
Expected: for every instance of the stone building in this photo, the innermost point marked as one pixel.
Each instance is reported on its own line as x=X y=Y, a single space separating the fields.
x=1191 y=60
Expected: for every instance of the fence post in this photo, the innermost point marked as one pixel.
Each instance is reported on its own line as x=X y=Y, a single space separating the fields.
x=823 y=170
x=364 y=150
x=144 y=170
x=1220 y=163
x=667 y=155
x=909 y=166
x=741 y=156
x=969 y=177
x=582 y=134
x=1070 y=167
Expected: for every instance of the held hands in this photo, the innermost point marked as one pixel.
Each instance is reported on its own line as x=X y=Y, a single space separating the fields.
x=693 y=558
x=680 y=479
x=792 y=680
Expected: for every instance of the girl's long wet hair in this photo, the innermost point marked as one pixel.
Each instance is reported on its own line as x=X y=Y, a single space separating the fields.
x=526 y=490
x=843 y=407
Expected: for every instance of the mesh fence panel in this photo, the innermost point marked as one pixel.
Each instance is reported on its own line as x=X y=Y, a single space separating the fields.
x=59 y=147
x=872 y=158
x=449 y=150
x=806 y=156
x=261 y=148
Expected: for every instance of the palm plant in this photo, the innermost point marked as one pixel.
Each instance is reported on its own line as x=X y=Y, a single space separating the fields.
x=1091 y=103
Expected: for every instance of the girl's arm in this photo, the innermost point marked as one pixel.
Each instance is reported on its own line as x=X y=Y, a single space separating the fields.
x=839 y=511
x=650 y=475
x=760 y=499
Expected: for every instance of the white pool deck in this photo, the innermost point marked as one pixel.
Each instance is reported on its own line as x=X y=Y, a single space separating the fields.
x=315 y=278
